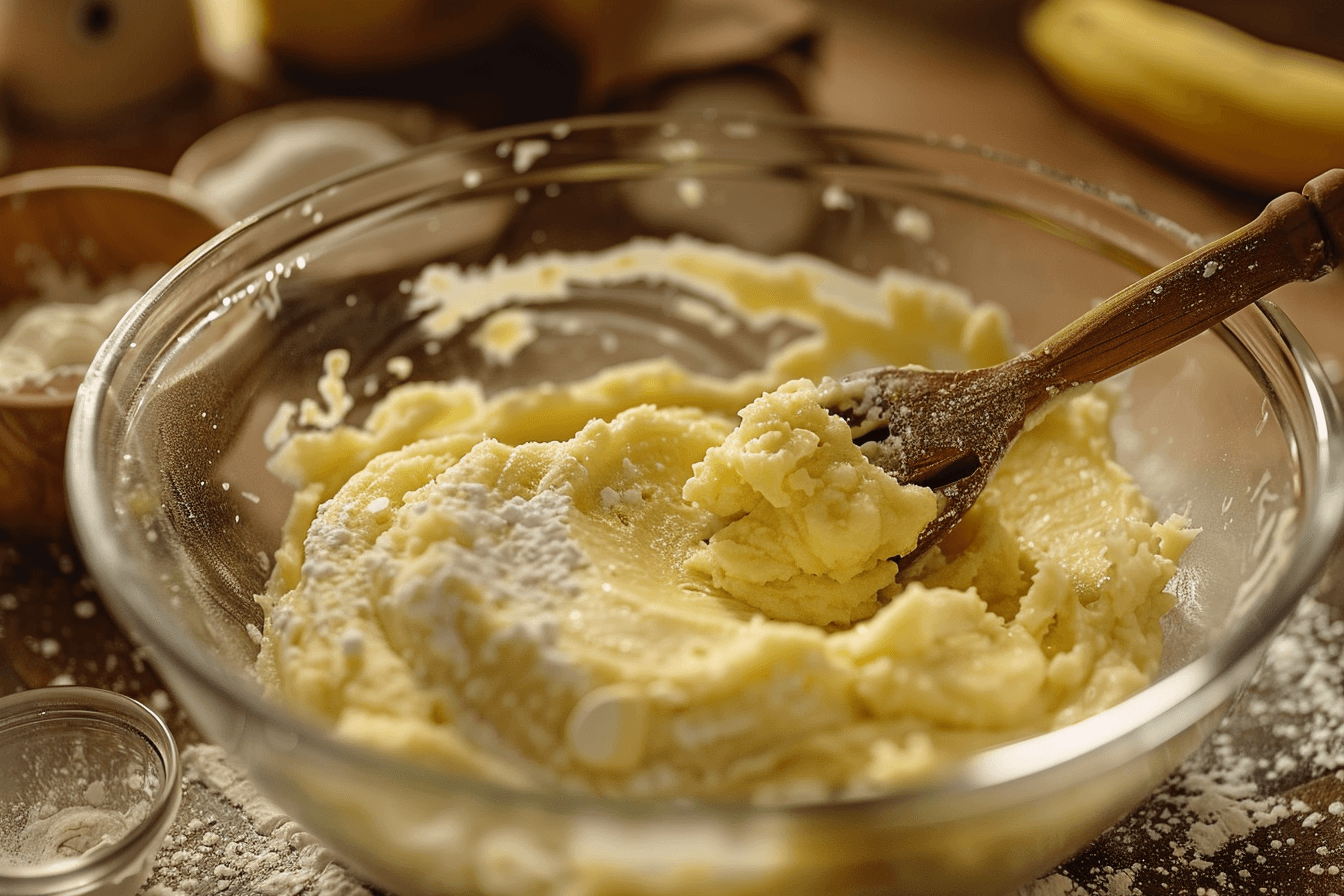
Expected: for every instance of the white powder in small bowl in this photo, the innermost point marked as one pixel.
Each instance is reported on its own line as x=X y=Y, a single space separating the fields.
x=51 y=338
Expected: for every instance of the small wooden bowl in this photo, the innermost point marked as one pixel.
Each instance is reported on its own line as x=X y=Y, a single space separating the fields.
x=97 y=226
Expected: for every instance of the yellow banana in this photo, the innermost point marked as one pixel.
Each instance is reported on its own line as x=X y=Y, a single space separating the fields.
x=1260 y=115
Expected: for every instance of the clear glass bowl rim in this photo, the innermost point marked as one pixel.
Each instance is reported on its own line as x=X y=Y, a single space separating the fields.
x=998 y=776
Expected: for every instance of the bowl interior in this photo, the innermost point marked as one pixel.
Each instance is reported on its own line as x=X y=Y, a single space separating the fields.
x=325 y=273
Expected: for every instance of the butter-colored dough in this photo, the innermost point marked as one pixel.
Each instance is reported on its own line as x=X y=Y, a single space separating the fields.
x=808 y=526
x=620 y=587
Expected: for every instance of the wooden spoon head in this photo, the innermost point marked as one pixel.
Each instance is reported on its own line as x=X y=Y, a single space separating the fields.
x=948 y=430
x=944 y=430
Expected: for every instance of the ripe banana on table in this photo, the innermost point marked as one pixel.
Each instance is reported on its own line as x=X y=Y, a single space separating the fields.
x=1260 y=115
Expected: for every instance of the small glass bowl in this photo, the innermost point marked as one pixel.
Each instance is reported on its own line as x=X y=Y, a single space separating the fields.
x=91 y=784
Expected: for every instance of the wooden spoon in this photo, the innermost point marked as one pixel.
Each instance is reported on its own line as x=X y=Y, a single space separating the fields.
x=948 y=430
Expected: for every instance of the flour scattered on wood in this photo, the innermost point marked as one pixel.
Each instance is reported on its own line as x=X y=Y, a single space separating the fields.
x=228 y=838
x=1260 y=802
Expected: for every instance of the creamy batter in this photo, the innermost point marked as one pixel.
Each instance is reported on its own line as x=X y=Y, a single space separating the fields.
x=656 y=583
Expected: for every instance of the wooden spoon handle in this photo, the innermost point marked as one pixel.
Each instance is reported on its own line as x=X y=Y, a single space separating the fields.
x=1299 y=236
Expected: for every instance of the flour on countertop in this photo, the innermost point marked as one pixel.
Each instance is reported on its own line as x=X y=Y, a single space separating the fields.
x=229 y=839
x=1256 y=805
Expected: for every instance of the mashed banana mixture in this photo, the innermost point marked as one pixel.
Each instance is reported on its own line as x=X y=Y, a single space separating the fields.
x=652 y=582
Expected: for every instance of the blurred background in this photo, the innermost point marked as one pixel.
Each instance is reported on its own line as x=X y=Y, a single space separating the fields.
x=136 y=82
x=1199 y=109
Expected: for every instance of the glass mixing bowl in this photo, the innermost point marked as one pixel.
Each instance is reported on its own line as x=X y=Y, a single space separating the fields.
x=177 y=515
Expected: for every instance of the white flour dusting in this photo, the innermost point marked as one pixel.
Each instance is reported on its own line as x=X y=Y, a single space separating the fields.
x=51 y=338
x=230 y=839
x=1259 y=809
x=54 y=834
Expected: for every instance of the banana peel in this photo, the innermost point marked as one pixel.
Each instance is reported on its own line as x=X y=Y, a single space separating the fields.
x=1259 y=115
